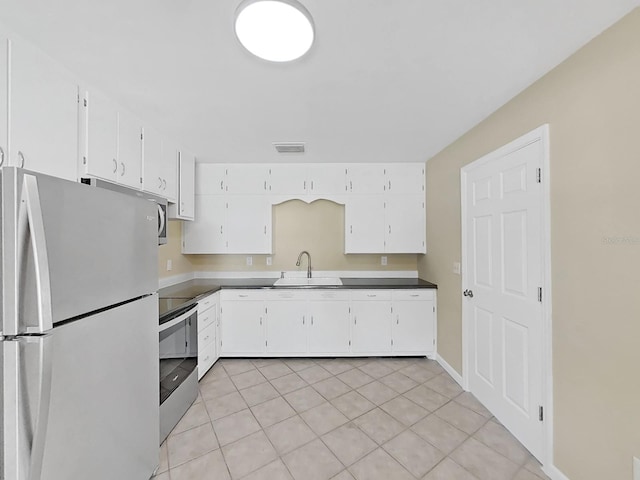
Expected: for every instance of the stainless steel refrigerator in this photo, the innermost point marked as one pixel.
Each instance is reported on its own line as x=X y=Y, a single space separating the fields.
x=79 y=331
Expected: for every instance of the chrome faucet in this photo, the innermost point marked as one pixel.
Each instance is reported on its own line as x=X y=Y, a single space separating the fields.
x=308 y=262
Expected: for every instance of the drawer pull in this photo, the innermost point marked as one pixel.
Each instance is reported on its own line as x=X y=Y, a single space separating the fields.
x=371 y=295
x=243 y=296
x=414 y=295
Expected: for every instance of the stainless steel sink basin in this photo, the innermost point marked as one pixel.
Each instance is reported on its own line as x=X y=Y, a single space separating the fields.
x=308 y=282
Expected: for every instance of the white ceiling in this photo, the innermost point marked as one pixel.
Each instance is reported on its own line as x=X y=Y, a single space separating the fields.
x=386 y=80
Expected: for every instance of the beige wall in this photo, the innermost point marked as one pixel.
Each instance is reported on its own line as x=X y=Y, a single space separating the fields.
x=317 y=227
x=592 y=103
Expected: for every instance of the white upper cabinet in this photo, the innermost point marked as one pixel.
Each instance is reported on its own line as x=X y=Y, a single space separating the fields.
x=210 y=178
x=171 y=172
x=247 y=179
x=405 y=227
x=159 y=165
x=100 y=131
x=365 y=178
x=43 y=114
x=206 y=233
x=287 y=179
x=326 y=179
x=364 y=224
x=404 y=178
x=308 y=180
x=4 y=100
x=186 y=185
x=129 y=150
x=247 y=224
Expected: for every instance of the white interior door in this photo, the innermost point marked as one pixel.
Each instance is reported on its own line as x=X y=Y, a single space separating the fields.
x=502 y=201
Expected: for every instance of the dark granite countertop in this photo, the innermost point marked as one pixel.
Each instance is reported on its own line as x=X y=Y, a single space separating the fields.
x=188 y=292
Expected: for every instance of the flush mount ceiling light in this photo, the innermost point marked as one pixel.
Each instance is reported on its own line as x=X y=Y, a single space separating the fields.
x=278 y=31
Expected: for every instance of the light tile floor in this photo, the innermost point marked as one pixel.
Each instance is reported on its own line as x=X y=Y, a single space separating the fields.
x=342 y=419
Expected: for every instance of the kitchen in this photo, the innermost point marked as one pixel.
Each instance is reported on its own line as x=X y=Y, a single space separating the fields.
x=589 y=101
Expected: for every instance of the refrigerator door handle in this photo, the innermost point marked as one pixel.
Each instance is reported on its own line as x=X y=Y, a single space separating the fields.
x=31 y=215
x=26 y=430
x=42 y=419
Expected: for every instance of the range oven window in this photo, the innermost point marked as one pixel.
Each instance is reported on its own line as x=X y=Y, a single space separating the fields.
x=178 y=348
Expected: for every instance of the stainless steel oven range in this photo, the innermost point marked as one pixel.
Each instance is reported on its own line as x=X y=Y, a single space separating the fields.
x=178 y=335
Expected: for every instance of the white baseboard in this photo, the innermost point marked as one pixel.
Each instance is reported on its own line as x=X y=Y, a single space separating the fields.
x=554 y=472
x=450 y=370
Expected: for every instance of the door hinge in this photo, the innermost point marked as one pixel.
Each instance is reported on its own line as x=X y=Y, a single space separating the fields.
x=434 y=309
x=539 y=175
x=541 y=413
x=540 y=294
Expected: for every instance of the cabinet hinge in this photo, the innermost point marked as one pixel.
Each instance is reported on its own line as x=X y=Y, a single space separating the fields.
x=349 y=342
x=265 y=343
x=434 y=341
x=85 y=102
x=541 y=413
x=142 y=136
x=392 y=342
x=140 y=179
x=540 y=294
x=349 y=309
x=539 y=175
x=84 y=160
x=434 y=309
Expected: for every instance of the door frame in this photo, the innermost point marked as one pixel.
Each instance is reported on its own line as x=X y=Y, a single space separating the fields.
x=539 y=134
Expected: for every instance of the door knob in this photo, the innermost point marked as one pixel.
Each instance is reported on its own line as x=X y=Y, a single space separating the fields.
x=468 y=293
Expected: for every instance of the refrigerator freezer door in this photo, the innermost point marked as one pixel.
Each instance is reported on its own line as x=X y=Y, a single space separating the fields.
x=69 y=249
x=97 y=414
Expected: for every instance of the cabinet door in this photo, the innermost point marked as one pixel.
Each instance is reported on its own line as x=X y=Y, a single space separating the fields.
x=43 y=114
x=405 y=229
x=243 y=328
x=186 y=185
x=205 y=234
x=413 y=327
x=152 y=158
x=209 y=178
x=170 y=172
x=250 y=179
x=287 y=323
x=404 y=178
x=4 y=100
x=329 y=327
x=101 y=136
x=326 y=179
x=365 y=178
x=248 y=224
x=364 y=224
x=287 y=179
x=129 y=150
x=371 y=327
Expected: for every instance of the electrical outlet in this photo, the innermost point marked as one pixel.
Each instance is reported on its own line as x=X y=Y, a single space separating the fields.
x=636 y=468
x=169 y=265
x=269 y=260
x=383 y=260
x=456 y=268
x=249 y=261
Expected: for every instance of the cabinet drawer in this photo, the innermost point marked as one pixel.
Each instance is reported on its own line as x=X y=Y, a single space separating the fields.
x=287 y=295
x=206 y=358
x=371 y=295
x=247 y=294
x=206 y=318
x=206 y=303
x=421 y=294
x=331 y=294
x=206 y=337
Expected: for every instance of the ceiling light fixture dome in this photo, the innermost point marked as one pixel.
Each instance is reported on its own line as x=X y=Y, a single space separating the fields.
x=274 y=30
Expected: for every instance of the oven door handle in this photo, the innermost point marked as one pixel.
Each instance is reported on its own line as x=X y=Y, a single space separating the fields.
x=176 y=321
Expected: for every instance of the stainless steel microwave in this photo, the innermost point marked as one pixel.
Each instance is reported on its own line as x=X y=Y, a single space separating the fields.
x=160 y=202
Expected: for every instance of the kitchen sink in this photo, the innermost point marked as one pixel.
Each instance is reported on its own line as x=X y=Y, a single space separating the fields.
x=303 y=282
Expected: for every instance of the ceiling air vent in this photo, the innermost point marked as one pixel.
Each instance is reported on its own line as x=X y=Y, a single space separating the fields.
x=289 y=147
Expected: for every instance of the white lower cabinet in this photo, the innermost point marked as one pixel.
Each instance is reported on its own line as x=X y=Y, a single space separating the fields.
x=371 y=321
x=327 y=322
x=208 y=333
x=329 y=312
x=243 y=318
x=287 y=323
